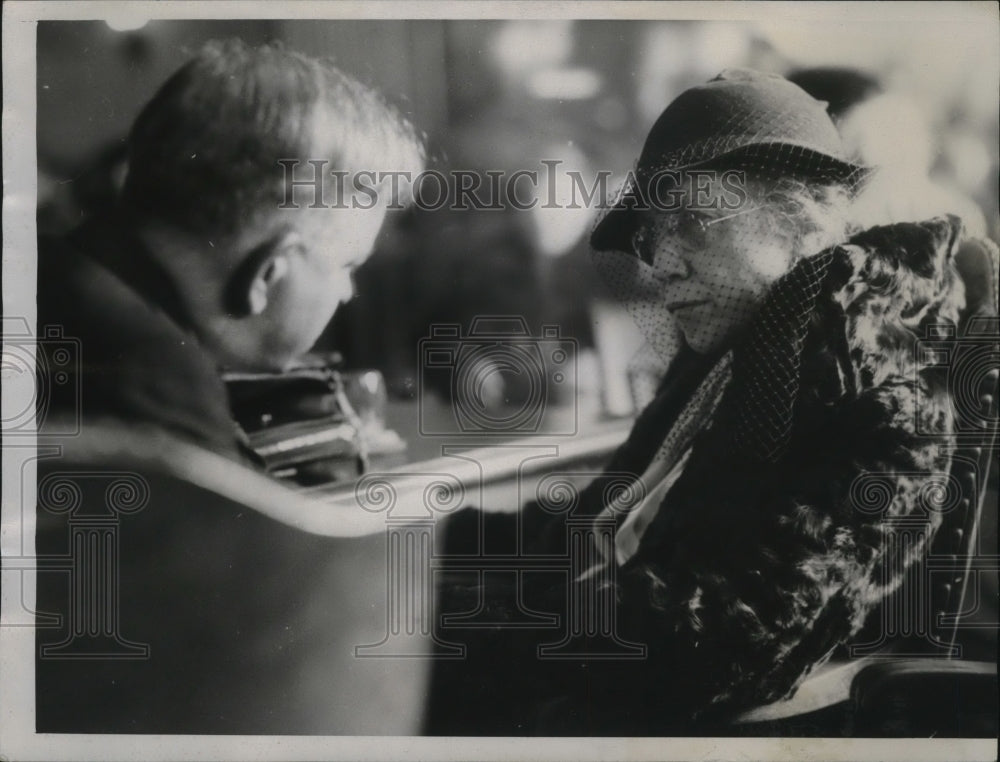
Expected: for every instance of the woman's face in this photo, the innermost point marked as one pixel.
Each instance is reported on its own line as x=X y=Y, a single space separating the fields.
x=713 y=262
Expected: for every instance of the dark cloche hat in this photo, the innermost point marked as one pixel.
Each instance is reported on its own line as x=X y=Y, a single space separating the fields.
x=741 y=119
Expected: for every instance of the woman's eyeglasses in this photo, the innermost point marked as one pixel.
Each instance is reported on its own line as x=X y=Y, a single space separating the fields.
x=688 y=226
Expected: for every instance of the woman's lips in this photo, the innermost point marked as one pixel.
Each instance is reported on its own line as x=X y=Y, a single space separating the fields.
x=685 y=304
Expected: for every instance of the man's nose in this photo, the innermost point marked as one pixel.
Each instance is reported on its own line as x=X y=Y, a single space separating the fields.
x=341 y=284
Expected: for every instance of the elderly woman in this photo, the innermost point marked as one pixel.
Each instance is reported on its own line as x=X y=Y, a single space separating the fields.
x=739 y=180
x=730 y=555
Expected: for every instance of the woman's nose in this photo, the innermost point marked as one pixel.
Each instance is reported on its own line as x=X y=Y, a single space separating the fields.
x=667 y=261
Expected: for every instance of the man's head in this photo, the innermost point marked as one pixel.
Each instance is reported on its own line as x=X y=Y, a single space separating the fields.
x=259 y=261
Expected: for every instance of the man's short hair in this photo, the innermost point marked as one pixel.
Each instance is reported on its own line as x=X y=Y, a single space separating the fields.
x=204 y=153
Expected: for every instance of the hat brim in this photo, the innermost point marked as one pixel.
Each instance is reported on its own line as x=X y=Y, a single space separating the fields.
x=615 y=228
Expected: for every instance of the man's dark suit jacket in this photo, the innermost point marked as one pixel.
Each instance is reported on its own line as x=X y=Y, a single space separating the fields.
x=139 y=362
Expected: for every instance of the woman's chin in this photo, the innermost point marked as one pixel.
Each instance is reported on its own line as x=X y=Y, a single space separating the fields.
x=704 y=342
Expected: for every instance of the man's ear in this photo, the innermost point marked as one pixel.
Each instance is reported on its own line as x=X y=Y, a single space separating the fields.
x=251 y=286
x=267 y=276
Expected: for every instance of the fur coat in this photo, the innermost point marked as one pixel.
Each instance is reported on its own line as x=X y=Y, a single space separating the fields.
x=773 y=547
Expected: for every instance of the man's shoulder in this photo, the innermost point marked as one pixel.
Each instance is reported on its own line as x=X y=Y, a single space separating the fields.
x=118 y=324
x=136 y=364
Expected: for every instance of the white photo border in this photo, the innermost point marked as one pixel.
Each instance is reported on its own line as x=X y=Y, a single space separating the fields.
x=18 y=741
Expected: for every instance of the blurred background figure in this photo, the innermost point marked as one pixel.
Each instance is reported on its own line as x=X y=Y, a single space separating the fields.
x=890 y=132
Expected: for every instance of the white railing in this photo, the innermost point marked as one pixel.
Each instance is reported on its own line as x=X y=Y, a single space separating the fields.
x=336 y=510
